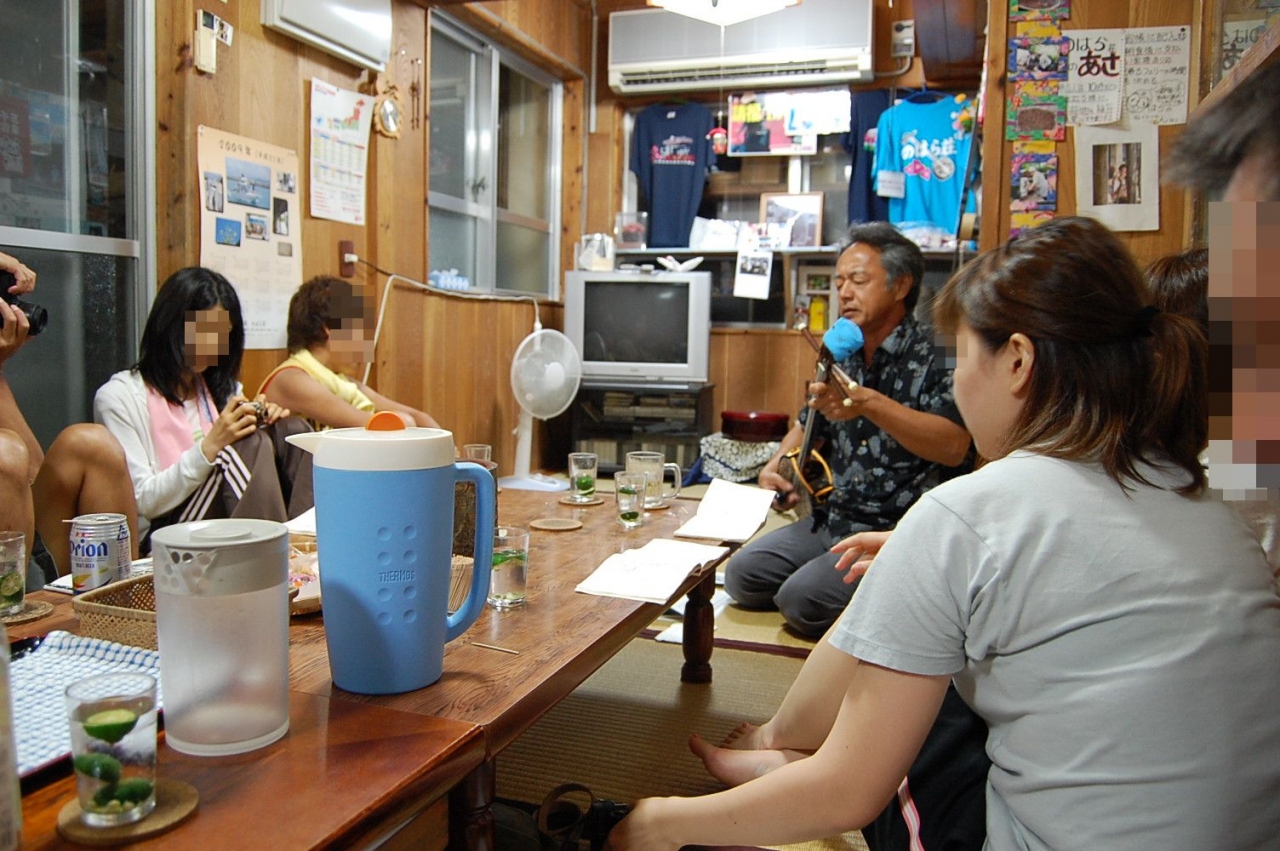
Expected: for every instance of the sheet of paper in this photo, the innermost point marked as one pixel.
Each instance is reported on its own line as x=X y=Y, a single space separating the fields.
x=652 y=573
x=728 y=512
x=1095 y=76
x=674 y=634
x=1157 y=62
x=303 y=524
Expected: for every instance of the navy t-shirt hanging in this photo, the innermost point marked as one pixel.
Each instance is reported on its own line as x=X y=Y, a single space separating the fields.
x=670 y=155
x=865 y=109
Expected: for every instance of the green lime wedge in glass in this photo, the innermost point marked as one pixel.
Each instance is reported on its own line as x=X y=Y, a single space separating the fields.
x=99 y=766
x=110 y=725
x=12 y=584
x=626 y=489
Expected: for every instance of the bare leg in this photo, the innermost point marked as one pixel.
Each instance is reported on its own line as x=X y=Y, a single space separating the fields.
x=84 y=472
x=15 y=494
x=809 y=709
x=11 y=418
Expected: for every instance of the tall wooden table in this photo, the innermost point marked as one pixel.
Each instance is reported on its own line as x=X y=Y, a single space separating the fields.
x=561 y=638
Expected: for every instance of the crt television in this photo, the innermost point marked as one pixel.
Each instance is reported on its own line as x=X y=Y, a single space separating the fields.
x=640 y=327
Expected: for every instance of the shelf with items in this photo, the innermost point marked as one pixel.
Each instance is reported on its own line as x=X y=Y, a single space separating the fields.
x=816 y=301
x=612 y=420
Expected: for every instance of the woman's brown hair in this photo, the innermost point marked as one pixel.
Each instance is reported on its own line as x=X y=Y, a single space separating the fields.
x=320 y=305
x=1115 y=380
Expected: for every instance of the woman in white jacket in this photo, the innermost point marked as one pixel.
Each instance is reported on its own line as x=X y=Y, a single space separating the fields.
x=196 y=447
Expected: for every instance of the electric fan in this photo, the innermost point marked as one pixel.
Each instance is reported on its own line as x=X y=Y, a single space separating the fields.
x=545 y=373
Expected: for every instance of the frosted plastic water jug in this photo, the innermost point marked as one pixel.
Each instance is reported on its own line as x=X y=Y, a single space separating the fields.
x=384 y=536
x=222 y=622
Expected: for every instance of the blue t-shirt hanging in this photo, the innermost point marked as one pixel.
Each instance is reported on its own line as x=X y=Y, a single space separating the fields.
x=670 y=155
x=928 y=143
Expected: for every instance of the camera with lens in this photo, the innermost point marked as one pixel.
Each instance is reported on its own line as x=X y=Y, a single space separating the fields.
x=37 y=316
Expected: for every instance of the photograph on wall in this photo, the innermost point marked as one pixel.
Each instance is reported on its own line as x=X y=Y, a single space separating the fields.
x=1039 y=10
x=1034 y=183
x=1118 y=177
x=752 y=272
x=1038 y=57
x=213 y=191
x=246 y=232
x=1020 y=223
x=248 y=183
x=1036 y=111
x=801 y=214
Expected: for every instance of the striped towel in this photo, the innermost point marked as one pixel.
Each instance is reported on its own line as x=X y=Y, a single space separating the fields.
x=39 y=679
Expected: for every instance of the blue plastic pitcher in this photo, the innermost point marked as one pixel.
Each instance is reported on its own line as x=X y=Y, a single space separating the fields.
x=384 y=535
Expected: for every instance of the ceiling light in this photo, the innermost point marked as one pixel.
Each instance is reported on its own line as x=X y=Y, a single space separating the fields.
x=723 y=13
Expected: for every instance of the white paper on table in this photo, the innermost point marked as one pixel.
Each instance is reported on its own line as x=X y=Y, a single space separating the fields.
x=729 y=512
x=303 y=524
x=653 y=573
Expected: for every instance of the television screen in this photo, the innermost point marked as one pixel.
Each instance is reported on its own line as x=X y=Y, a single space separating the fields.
x=636 y=322
x=640 y=328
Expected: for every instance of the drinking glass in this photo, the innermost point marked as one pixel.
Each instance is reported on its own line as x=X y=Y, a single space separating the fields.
x=508 y=582
x=477 y=452
x=629 y=489
x=13 y=572
x=113 y=746
x=582 y=476
x=653 y=465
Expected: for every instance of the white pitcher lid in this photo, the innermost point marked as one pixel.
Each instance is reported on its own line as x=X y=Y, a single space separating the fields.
x=216 y=557
x=385 y=444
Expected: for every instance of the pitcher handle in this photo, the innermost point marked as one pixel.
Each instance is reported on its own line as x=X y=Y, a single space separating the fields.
x=675 y=469
x=458 y=622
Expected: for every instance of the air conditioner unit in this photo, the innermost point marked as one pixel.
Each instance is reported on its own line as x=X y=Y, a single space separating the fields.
x=814 y=43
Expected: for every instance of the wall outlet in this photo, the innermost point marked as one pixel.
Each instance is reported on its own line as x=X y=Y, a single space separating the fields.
x=904 y=39
x=346 y=268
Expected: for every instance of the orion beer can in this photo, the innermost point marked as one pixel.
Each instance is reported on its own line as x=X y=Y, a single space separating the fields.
x=100 y=551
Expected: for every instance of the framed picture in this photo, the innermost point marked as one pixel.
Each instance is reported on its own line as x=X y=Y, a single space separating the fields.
x=816 y=278
x=801 y=213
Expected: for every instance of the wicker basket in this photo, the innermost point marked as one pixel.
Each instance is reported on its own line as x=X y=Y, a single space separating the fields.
x=124 y=612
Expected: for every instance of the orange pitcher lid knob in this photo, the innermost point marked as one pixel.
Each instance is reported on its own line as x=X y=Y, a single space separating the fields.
x=385 y=421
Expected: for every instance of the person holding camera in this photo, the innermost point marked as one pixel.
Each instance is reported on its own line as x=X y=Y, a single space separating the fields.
x=84 y=470
x=196 y=447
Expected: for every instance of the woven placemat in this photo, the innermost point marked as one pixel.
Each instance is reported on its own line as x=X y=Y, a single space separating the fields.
x=32 y=610
x=175 y=801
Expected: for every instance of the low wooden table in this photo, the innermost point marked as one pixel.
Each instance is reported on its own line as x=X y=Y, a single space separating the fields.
x=355 y=768
x=562 y=637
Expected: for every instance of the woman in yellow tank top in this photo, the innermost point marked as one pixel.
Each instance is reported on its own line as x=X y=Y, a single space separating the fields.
x=329 y=331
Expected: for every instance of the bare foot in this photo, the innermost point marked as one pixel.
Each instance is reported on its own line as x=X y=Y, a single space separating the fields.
x=734 y=766
x=745 y=737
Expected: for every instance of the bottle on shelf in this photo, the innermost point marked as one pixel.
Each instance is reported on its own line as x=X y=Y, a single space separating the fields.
x=818 y=313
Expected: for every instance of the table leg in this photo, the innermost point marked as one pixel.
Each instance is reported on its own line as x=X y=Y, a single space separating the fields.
x=699 y=630
x=470 y=810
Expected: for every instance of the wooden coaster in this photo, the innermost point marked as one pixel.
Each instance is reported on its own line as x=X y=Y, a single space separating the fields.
x=663 y=507
x=555 y=524
x=175 y=801
x=32 y=610
x=595 y=500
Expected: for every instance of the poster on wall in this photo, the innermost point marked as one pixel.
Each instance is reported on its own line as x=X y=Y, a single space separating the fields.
x=340 y=122
x=1157 y=66
x=1118 y=175
x=250 y=228
x=1095 y=76
x=773 y=123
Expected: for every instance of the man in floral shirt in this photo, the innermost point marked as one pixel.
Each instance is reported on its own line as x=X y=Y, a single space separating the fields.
x=896 y=436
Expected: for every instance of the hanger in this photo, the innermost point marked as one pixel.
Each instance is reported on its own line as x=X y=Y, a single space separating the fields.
x=926 y=95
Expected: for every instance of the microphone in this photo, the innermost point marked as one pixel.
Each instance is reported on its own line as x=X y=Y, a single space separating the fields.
x=841 y=342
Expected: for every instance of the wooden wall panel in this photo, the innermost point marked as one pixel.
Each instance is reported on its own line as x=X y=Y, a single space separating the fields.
x=997 y=153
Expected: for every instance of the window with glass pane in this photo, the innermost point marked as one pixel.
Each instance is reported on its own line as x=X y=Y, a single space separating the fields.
x=495 y=176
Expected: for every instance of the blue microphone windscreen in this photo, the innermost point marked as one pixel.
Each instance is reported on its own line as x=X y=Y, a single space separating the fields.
x=843 y=339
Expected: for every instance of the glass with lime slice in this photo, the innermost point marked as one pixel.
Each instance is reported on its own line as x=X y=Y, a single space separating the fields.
x=509 y=579
x=113 y=746
x=629 y=490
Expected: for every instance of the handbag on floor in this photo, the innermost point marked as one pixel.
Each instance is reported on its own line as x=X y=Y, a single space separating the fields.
x=571 y=818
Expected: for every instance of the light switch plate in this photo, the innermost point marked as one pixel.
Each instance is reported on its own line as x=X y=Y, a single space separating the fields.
x=204 y=44
x=904 y=39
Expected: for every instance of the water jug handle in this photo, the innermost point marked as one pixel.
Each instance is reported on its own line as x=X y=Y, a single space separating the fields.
x=458 y=622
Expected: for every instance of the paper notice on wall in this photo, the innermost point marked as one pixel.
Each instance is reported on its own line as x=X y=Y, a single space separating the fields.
x=1118 y=175
x=340 y=122
x=1157 y=65
x=1095 y=76
x=751 y=278
x=250 y=227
